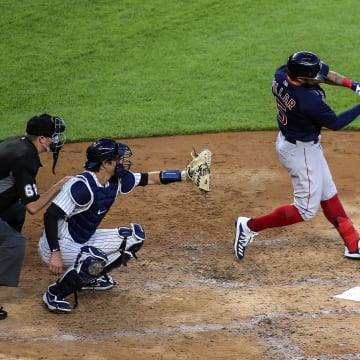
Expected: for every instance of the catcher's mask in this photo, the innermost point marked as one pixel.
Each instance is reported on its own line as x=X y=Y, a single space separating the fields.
x=108 y=149
x=307 y=65
x=52 y=127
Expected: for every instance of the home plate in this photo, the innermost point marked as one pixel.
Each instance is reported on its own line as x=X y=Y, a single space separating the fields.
x=351 y=294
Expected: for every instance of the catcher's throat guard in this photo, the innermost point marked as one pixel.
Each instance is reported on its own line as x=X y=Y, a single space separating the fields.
x=58 y=139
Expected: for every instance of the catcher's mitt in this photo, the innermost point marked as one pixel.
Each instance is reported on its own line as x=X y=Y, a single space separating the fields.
x=198 y=169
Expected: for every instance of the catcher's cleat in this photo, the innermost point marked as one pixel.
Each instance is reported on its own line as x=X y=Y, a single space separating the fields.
x=104 y=282
x=351 y=255
x=243 y=236
x=3 y=313
x=54 y=304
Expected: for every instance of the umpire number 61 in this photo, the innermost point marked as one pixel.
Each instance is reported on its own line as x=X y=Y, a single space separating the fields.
x=30 y=190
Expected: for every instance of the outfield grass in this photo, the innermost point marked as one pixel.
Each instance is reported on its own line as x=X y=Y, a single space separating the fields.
x=143 y=68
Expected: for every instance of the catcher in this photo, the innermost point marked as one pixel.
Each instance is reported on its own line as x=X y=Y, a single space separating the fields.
x=71 y=240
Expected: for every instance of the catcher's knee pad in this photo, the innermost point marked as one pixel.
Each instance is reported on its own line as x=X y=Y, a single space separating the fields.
x=124 y=232
x=89 y=264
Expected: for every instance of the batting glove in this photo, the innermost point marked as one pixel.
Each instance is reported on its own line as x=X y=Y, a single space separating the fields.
x=356 y=87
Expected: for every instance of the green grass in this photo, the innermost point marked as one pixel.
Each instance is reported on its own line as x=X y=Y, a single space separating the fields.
x=144 y=68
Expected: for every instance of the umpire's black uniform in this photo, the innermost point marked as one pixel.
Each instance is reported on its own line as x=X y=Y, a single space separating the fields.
x=20 y=163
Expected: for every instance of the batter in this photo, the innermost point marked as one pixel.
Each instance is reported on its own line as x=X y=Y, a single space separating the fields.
x=302 y=112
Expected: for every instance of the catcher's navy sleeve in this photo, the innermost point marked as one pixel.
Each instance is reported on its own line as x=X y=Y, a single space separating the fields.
x=51 y=217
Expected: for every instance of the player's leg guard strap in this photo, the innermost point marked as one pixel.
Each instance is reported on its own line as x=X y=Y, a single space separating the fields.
x=121 y=260
x=135 y=242
x=348 y=233
x=132 y=240
x=130 y=237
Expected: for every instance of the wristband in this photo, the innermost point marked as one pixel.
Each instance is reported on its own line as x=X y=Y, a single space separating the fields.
x=169 y=176
x=347 y=83
x=144 y=180
x=353 y=85
x=356 y=87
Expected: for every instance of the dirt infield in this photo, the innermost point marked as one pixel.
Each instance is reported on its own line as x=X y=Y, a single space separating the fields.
x=186 y=297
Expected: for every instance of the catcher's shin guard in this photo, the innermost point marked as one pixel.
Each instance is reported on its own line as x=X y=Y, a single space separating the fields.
x=88 y=266
x=67 y=284
x=348 y=233
x=54 y=297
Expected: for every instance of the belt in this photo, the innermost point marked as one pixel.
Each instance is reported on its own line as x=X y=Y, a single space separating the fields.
x=294 y=141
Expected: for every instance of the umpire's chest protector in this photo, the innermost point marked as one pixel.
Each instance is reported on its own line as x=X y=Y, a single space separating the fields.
x=83 y=224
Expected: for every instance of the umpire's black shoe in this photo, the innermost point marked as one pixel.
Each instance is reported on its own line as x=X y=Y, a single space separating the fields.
x=3 y=313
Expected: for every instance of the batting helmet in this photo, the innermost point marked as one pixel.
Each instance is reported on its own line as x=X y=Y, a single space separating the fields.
x=305 y=64
x=107 y=149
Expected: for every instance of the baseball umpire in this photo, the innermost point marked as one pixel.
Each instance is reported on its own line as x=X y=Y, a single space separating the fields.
x=302 y=112
x=20 y=162
x=71 y=239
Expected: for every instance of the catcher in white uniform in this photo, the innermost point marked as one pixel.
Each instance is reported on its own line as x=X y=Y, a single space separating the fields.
x=71 y=239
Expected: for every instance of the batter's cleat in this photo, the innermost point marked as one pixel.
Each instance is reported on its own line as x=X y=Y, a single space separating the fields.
x=104 y=282
x=54 y=304
x=243 y=236
x=3 y=313
x=351 y=255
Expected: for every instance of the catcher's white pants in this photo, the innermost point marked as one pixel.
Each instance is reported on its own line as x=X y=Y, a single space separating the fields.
x=107 y=240
x=310 y=174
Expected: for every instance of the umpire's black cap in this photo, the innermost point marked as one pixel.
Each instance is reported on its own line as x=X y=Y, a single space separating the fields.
x=41 y=125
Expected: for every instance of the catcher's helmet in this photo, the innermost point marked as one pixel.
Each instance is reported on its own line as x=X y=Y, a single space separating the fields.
x=108 y=149
x=305 y=64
